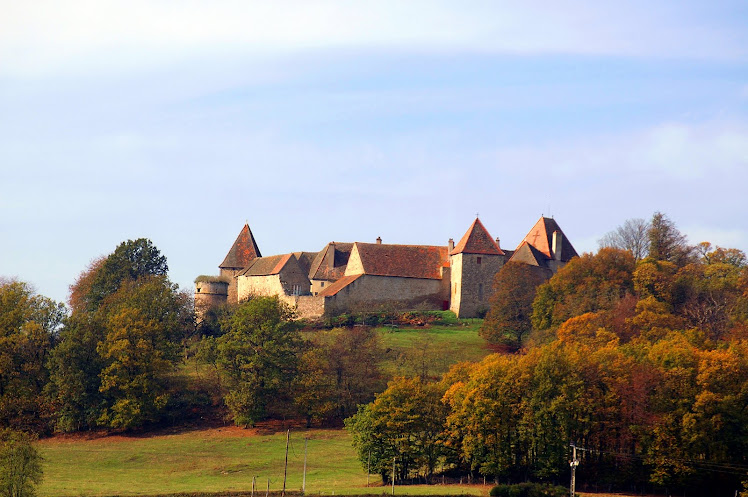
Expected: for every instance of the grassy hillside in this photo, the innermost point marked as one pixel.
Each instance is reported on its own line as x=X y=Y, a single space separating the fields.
x=211 y=460
x=429 y=351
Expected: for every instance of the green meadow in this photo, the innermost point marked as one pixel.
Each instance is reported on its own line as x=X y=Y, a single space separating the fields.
x=225 y=459
x=214 y=460
x=429 y=351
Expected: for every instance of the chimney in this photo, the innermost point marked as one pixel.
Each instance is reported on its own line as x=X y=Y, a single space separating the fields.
x=498 y=244
x=558 y=240
x=451 y=244
x=331 y=255
x=379 y=240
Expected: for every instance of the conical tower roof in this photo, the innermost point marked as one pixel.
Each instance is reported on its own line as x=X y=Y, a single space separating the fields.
x=242 y=252
x=477 y=240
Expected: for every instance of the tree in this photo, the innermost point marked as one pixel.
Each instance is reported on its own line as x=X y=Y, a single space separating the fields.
x=29 y=324
x=631 y=236
x=75 y=367
x=666 y=242
x=338 y=371
x=112 y=366
x=509 y=318
x=131 y=260
x=405 y=422
x=258 y=356
x=586 y=284
x=20 y=465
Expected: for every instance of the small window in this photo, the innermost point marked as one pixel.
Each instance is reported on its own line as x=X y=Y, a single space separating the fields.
x=478 y=260
x=480 y=291
x=322 y=284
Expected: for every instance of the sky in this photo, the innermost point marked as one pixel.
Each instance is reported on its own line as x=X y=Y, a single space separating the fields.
x=318 y=121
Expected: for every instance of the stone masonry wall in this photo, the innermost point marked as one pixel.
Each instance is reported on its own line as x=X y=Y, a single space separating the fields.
x=472 y=282
x=369 y=292
x=259 y=285
x=231 y=274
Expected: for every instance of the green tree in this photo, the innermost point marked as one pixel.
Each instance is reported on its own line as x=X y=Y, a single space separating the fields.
x=75 y=367
x=666 y=242
x=114 y=363
x=508 y=321
x=338 y=371
x=29 y=324
x=131 y=260
x=405 y=422
x=20 y=465
x=258 y=357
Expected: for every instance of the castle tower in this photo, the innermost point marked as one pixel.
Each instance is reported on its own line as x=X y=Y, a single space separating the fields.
x=549 y=247
x=243 y=252
x=474 y=262
x=210 y=292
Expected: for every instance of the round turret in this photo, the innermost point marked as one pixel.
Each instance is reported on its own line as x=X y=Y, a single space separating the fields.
x=210 y=291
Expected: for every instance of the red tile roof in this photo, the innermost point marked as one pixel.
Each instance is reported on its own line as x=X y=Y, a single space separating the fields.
x=477 y=241
x=242 y=252
x=527 y=254
x=336 y=253
x=339 y=285
x=406 y=261
x=265 y=266
x=541 y=238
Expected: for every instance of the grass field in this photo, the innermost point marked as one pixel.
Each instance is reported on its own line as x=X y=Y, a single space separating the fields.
x=430 y=351
x=226 y=458
x=212 y=460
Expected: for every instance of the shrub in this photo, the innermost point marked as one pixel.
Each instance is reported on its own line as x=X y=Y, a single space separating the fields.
x=528 y=490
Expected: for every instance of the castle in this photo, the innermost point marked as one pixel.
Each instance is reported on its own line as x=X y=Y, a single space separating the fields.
x=358 y=276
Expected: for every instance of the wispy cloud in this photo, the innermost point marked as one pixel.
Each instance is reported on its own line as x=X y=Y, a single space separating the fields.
x=50 y=37
x=674 y=150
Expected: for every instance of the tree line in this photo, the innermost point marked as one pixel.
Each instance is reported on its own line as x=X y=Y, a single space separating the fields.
x=637 y=353
x=639 y=358
x=116 y=358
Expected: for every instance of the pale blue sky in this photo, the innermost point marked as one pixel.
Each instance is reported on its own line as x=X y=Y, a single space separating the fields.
x=323 y=120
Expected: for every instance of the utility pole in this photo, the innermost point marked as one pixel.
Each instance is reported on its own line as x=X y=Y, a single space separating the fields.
x=285 y=467
x=574 y=463
x=303 y=481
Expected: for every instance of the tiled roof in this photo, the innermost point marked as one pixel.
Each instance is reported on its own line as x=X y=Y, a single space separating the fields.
x=265 y=266
x=477 y=241
x=243 y=251
x=339 y=285
x=527 y=254
x=305 y=260
x=330 y=262
x=541 y=238
x=407 y=261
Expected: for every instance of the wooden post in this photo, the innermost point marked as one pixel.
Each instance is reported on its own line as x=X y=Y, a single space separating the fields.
x=393 y=475
x=285 y=466
x=303 y=481
x=267 y=491
x=254 y=480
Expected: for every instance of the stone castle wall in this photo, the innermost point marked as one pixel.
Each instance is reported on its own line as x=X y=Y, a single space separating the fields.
x=230 y=275
x=209 y=294
x=472 y=282
x=370 y=292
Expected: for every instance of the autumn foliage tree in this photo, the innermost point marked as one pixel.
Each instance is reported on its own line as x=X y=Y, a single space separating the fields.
x=112 y=364
x=508 y=320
